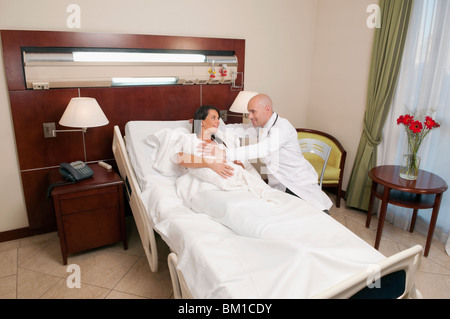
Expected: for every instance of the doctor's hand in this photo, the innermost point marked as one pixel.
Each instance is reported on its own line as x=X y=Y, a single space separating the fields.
x=212 y=150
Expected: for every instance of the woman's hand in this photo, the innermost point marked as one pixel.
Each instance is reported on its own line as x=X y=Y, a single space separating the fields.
x=191 y=161
x=222 y=169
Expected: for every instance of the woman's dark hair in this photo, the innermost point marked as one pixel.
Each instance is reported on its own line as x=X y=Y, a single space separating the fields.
x=200 y=114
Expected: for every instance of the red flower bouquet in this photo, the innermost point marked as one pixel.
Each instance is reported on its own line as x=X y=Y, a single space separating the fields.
x=416 y=131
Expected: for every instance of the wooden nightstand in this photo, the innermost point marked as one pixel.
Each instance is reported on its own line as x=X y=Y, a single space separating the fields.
x=90 y=213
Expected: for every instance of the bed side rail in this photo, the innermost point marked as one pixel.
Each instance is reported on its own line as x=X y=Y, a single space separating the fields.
x=402 y=266
x=180 y=288
x=133 y=192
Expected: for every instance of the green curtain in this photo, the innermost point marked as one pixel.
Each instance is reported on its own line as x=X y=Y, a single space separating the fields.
x=385 y=64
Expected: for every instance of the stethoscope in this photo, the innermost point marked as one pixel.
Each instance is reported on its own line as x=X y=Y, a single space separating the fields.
x=274 y=122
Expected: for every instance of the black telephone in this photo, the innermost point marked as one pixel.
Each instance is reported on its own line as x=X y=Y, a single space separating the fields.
x=71 y=173
x=75 y=171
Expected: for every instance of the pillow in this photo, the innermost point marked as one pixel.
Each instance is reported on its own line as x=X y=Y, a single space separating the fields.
x=164 y=142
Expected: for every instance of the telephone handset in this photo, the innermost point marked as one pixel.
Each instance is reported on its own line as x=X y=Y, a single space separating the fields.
x=71 y=173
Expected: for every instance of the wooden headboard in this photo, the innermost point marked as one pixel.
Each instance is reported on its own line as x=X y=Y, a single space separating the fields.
x=31 y=108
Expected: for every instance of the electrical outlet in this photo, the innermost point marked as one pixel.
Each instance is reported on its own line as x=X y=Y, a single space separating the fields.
x=40 y=86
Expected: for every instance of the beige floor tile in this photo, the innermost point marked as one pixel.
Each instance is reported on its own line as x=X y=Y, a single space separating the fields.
x=359 y=229
x=438 y=253
x=338 y=217
x=32 y=285
x=387 y=247
x=103 y=267
x=403 y=236
x=61 y=290
x=8 y=245
x=431 y=266
x=356 y=216
x=121 y=295
x=141 y=281
x=8 y=262
x=8 y=287
x=45 y=258
x=433 y=286
x=39 y=239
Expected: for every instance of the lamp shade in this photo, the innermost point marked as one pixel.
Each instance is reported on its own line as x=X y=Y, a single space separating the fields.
x=240 y=103
x=83 y=112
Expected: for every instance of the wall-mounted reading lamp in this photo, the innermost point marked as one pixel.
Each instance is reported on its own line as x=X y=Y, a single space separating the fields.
x=239 y=105
x=82 y=112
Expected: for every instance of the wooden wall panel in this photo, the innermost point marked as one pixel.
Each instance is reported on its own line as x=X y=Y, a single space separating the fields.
x=39 y=207
x=30 y=109
x=121 y=105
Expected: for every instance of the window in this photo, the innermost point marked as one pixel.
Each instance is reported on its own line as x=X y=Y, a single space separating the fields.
x=423 y=88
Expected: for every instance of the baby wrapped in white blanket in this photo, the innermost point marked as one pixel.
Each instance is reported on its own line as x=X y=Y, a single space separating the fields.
x=196 y=180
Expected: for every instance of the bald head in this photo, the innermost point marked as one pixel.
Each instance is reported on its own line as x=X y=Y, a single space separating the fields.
x=260 y=109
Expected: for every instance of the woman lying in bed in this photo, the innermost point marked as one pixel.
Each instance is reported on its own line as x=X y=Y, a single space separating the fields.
x=204 y=127
x=205 y=172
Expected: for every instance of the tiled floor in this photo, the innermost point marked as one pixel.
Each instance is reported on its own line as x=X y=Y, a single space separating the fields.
x=32 y=267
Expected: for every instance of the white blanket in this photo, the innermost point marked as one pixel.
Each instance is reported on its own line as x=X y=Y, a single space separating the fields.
x=253 y=252
x=198 y=180
x=237 y=245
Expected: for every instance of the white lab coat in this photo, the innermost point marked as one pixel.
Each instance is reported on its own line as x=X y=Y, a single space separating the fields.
x=279 y=150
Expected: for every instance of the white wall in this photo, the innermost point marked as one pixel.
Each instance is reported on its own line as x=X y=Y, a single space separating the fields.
x=310 y=56
x=340 y=71
x=12 y=209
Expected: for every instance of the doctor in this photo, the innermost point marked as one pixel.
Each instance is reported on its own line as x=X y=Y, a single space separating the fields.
x=279 y=150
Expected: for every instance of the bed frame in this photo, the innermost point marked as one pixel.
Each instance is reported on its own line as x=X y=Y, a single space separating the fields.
x=143 y=223
x=133 y=192
x=401 y=267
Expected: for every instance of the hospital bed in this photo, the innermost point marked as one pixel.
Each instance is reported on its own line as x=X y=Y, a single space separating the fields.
x=302 y=253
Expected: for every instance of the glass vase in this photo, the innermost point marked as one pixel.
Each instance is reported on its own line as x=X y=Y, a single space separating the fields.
x=410 y=166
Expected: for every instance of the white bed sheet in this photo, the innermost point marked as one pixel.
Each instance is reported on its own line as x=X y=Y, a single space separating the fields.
x=296 y=254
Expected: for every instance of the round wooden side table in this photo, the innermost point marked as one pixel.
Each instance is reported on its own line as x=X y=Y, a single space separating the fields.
x=423 y=193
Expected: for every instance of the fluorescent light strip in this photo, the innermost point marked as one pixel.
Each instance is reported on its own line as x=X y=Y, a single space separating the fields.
x=144 y=81
x=137 y=57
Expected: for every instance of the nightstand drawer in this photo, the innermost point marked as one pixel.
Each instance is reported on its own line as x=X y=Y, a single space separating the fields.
x=91 y=229
x=89 y=200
